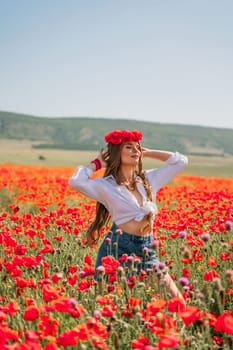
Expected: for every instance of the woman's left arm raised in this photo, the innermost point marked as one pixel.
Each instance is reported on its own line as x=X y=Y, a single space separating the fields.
x=175 y=163
x=156 y=154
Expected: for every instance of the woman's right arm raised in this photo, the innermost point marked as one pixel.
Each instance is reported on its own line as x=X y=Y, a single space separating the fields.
x=81 y=179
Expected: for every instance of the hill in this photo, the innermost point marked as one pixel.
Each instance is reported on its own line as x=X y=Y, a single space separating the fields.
x=84 y=133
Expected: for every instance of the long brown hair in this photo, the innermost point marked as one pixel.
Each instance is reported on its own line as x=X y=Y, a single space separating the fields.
x=112 y=157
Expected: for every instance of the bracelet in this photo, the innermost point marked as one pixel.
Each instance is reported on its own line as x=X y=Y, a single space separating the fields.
x=97 y=163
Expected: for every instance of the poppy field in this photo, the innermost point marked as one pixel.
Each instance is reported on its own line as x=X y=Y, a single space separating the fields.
x=50 y=300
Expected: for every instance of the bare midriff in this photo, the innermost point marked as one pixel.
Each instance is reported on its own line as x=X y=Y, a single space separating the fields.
x=138 y=228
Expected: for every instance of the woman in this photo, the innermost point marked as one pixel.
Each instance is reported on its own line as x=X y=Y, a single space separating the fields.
x=127 y=195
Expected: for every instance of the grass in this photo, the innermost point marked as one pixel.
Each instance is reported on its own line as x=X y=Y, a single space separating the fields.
x=21 y=152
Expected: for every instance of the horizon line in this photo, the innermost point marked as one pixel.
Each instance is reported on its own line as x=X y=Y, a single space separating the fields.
x=115 y=118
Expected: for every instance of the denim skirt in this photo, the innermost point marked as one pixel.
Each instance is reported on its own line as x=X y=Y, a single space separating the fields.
x=119 y=244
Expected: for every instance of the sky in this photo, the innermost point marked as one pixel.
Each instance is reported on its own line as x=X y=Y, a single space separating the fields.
x=166 y=61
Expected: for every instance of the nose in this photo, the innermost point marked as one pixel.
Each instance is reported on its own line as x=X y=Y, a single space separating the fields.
x=135 y=149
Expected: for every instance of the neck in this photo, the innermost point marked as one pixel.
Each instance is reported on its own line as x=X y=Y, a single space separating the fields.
x=126 y=174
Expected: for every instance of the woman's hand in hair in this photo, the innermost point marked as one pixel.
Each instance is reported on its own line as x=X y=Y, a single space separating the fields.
x=145 y=152
x=99 y=162
x=102 y=156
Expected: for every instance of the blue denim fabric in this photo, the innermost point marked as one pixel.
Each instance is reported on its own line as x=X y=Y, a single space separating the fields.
x=126 y=243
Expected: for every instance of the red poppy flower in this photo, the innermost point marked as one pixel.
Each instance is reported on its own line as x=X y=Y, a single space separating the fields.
x=3 y=316
x=225 y=256
x=110 y=264
x=88 y=259
x=190 y=315
x=186 y=273
x=11 y=308
x=210 y=275
x=155 y=306
x=49 y=292
x=211 y=261
x=175 y=305
x=107 y=311
x=140 y=343
x=31 y=313
x=48 y=326
x=85 y=284
x=7 y=334
x=168 y=341
x=51 y=346
x=68 y=338
x=224 y=323
x=68 y=305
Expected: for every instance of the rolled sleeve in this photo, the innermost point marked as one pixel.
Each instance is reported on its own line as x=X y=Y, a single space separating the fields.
x=81 y=182
x=177 y=157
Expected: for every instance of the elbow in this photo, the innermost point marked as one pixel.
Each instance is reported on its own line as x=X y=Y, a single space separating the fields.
x=73 y=183
x=179 y=159
x=78 y=185
x=80 y=179
x=184 y=160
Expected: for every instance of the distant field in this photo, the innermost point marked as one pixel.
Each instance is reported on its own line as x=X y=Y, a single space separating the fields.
x=20 y=152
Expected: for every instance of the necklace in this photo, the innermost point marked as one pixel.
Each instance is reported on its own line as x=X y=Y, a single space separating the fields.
x=130 y=186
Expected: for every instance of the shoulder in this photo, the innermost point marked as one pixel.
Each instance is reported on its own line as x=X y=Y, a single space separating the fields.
x=108 y=180
x=148 y=172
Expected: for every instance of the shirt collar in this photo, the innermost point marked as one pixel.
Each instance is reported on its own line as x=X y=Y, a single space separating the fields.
x=137 y=177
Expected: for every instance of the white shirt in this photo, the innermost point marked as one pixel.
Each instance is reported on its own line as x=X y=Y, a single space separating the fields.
x=119 y=201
